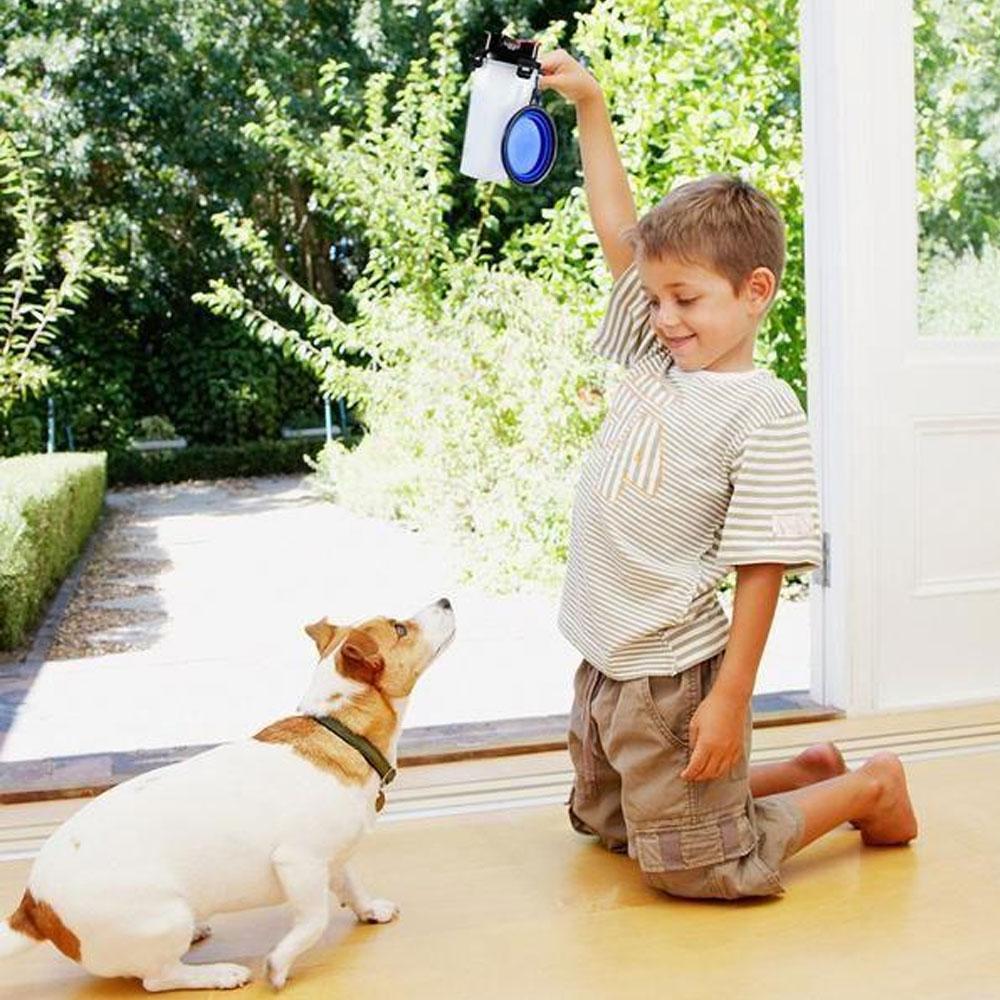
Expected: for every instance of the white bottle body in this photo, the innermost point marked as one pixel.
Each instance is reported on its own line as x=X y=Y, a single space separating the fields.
x=497 y=93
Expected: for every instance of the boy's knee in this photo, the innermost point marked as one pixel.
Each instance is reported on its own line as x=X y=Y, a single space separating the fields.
x=691 y=883
x=717 y=858
x=736 y=879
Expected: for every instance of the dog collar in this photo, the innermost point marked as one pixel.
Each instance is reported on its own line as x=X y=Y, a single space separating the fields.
x=386 y=772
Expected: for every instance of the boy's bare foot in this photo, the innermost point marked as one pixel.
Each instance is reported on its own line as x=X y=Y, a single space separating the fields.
x=818 y=763
x=891 y=819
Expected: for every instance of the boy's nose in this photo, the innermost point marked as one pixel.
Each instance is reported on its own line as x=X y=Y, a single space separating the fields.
x=666 y=318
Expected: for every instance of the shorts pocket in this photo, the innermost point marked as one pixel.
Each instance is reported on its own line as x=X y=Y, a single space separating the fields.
x=700 y=845
x=671 y=702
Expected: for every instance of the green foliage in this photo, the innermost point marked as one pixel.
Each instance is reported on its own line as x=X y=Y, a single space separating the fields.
x=25 y=435
x=958 y=295
x=477 y=431
x=219 y=386
x=138 y=109
x=34 y=300
x=693 y=88
x=155 y=428
x=957 y=77
x=472 y=373
x=478 y=389
x=255 y=458
x=49 y=504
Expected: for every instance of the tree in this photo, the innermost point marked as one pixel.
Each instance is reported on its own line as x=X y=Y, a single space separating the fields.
x=49 y=271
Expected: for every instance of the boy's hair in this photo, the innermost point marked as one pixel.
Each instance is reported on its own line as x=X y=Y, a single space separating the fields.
x=720 y=221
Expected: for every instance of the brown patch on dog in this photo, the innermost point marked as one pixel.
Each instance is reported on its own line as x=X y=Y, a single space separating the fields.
x=318 y=746
x=368 y=714
x=38 y=920
x=324 y=633
x=360 y=658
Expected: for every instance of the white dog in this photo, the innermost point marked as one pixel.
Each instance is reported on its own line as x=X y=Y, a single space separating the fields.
x=125 y=885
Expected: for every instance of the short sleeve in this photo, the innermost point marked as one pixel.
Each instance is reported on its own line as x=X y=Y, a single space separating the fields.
x=773 y=514
x=625 y=334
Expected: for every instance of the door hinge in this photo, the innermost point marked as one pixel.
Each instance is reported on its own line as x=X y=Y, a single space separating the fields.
x=821 y=576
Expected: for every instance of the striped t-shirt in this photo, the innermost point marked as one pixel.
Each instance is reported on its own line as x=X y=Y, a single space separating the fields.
x=691 y=474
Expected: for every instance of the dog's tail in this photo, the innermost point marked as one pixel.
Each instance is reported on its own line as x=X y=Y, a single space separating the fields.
x=32 y=923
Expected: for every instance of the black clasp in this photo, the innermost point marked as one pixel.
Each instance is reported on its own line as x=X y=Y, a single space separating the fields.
x=520 y=52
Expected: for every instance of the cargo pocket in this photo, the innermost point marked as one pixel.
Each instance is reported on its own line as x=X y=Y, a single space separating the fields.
x=700 y=845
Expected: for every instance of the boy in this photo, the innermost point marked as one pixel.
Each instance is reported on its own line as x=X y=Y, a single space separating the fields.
x=702 y=464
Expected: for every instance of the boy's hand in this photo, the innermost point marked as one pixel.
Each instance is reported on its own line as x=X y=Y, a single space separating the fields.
x=563 y=74
x=716 y=737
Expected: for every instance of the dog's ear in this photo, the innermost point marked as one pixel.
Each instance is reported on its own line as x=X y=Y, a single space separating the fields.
x=322 y=633
x=360 y=659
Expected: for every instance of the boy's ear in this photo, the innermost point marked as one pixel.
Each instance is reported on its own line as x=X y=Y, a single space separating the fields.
x=323 y=633
x=360 y=659
x=761 y=286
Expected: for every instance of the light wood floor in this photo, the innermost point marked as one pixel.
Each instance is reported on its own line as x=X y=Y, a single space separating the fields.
x=514 y=904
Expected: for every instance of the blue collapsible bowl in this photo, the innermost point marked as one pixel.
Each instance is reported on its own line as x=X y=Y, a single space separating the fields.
x=528 y=147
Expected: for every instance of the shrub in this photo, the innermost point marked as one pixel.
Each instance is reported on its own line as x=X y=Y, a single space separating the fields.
x=220 y=386
x=155 y=428
x=958 y=295
x=477 y=431
x=25 y=435
x=258 y=458
x=48 y=506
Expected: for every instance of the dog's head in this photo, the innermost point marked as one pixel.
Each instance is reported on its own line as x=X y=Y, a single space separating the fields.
x=388 y=654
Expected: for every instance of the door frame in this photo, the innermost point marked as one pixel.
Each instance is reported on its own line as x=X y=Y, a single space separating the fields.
x=859 y=162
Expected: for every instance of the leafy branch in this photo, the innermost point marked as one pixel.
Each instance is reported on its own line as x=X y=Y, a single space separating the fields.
x=31 y=305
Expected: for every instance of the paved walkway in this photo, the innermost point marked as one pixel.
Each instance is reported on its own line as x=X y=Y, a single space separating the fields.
x=209 y=585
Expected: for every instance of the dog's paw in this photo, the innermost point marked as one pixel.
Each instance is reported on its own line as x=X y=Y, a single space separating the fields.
x=277 y=972
x=230 y=976
x=379 y=911
x=214 y=976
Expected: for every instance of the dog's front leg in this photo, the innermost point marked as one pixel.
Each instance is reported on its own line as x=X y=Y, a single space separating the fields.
x=304 y=880
x=349 y=890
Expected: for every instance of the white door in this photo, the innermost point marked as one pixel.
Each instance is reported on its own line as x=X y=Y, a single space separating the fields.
x=907 y=427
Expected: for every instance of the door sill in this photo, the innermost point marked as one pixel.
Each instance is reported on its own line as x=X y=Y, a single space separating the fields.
x=89 y=774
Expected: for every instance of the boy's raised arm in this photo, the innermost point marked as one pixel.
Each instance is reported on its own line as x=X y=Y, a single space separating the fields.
x=609 y=197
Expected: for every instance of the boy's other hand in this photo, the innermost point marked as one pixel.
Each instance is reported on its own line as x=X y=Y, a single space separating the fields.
x=716 y=737
x=563 y=74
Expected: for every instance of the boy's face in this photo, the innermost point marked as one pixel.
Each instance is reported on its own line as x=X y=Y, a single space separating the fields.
x=698 y=317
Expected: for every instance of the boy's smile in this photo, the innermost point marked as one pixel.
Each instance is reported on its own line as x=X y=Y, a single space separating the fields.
x=697 y=316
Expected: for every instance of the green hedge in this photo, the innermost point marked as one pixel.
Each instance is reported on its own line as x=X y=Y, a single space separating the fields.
x=256 y=458
x=49 y=504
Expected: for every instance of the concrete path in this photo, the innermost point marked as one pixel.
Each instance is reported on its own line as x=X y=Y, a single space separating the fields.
x=223 y=576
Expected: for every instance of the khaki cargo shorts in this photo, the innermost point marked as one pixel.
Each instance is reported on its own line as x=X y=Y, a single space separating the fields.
x=629 y=743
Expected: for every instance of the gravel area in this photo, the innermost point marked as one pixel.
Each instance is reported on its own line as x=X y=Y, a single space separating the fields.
x=89 y=627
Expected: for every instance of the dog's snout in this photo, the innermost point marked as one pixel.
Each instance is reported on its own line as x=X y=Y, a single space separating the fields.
x=444 y=603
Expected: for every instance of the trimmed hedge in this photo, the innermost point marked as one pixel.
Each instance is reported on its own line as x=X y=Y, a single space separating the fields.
x=49 y=504
x=256 y=458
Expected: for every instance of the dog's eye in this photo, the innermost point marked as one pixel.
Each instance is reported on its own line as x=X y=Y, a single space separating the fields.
x=400 y=629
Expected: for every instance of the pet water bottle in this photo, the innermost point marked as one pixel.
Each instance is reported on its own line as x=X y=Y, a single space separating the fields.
x=507 y=133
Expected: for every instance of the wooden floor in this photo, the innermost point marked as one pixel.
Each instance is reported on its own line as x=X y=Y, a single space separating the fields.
x=515 y=905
